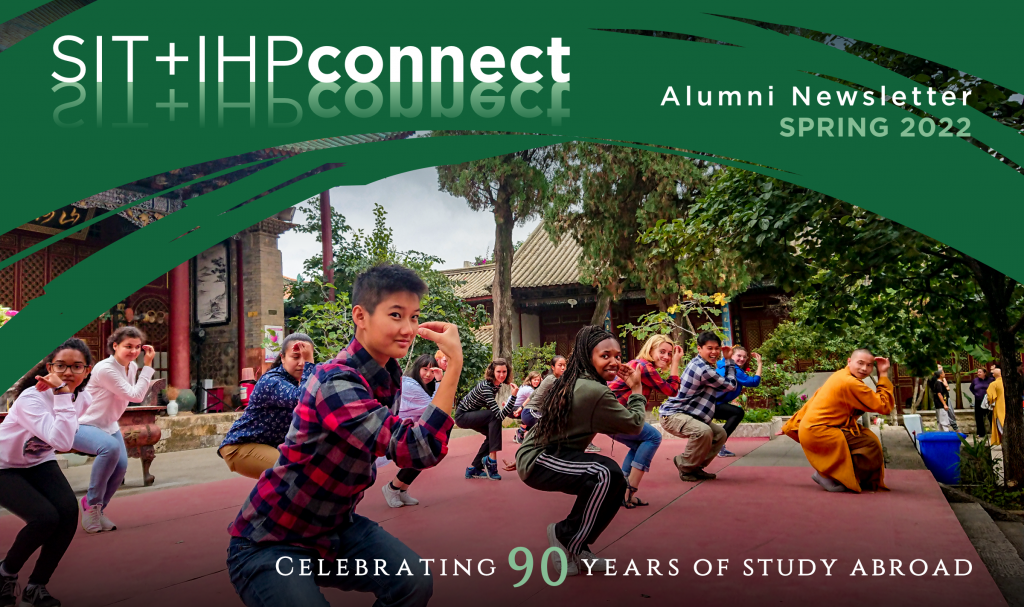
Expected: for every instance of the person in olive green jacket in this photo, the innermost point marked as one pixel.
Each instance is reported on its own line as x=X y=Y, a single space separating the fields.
x=553 y=457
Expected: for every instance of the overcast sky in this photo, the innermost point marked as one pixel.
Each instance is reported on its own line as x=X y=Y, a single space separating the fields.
x=421 y=217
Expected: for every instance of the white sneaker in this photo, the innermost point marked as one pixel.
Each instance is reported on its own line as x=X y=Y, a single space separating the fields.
x=407 y=499
x=91 y=517
x=392 y=496
x=105 y=523
x=572 y=565
x=597 y=564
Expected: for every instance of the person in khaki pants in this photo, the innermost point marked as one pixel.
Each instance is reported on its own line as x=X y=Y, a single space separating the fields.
x=689 y=413
x=250 y=447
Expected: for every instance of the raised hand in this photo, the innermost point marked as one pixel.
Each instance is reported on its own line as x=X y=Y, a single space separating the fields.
x=49 y=382
x=882 y=364
x=756 y=356
x=150 y=355
x=677 y=354
x=305 y=349
x=632 y=379
x=726 y=351
x=445 y=335
x=515 y=389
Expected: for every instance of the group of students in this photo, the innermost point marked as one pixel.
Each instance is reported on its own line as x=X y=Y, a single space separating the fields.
x=64 y=404
x=313 y=435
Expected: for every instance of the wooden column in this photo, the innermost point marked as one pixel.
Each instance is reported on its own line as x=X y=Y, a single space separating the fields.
x=241 y=308
x=180 y=321
x=326 y=238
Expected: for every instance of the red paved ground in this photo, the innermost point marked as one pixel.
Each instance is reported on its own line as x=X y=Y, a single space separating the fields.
x=170 y=547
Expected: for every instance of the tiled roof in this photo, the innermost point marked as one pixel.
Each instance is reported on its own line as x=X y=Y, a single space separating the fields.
x=478 y=280
x=541 y=263
x=538 y=263
x=485 y=334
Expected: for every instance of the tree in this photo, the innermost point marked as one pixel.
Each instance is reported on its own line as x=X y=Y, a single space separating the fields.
x=927 y=296
x=330 y=323
x=513 y=187
x=796 y=339
x=603 y=196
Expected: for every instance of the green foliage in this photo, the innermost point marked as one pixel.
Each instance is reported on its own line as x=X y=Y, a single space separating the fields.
x=513 y=187
x=680 y=319
x=980 y=475
x=603 y=195
x=796 y=339
x=789 y=405
x=330 y=324
x=776 y=379
x=526 y=359
x=758 y=416
x=904 y=286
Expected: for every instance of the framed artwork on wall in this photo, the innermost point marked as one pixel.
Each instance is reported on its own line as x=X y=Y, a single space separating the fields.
x=212 y=292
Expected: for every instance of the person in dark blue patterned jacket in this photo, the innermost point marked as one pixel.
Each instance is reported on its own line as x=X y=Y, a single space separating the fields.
x=250 y=447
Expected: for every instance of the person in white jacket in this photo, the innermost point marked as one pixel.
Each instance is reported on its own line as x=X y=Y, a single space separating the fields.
x=42 y=421
x=116 y=381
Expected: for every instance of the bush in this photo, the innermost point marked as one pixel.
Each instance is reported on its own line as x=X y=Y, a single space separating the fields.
x=531 y=358
x=776 y=379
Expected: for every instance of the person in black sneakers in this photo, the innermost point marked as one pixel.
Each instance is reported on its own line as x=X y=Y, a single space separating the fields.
x=42 y=421
x=553 y=457
x=479 y=410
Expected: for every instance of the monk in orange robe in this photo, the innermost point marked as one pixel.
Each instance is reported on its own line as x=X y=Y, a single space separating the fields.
x=844 y=454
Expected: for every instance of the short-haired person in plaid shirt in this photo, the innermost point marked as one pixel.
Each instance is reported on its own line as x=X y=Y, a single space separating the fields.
x=304 y=507
x=689 y=413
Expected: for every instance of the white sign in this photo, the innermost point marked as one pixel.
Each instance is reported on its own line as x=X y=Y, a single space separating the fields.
x=274 y=333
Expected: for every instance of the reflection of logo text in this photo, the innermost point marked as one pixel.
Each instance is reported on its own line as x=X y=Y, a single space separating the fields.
x=36 y=446
x=325 y=101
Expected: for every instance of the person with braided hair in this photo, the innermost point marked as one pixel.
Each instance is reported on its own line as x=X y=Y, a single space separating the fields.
x=553 y=457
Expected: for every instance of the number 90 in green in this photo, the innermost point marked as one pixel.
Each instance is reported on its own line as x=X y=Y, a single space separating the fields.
x=527 y=566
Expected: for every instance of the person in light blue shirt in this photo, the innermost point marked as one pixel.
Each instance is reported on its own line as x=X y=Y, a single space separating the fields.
x=724 y=409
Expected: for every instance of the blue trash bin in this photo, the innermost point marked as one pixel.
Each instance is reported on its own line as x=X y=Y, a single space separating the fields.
x=941 y=454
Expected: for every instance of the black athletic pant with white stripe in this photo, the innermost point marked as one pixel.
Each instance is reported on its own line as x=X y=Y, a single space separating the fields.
x=485 y=422
x=599 y=487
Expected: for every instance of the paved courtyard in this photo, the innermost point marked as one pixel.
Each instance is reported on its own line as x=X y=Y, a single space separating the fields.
x=762 y=511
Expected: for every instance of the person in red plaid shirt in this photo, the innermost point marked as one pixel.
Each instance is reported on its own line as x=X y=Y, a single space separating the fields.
x=299 y=530
x=658 y=352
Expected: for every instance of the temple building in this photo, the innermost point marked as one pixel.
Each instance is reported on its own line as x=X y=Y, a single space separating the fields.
x=206 y=318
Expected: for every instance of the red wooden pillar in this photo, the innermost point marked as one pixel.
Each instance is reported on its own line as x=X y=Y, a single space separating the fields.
x=241 y=310
x=180 y=321
x=326 y=238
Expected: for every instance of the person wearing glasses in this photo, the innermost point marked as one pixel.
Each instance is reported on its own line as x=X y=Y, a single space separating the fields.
x=116 y=381
x=42 y=421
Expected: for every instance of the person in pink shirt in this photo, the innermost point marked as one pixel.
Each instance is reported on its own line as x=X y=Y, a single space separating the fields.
x=42 y=421
x=116 y=381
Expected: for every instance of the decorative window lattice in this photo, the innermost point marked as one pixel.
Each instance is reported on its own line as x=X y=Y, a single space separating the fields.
x=157 y=333
x=6 y=281
x=33 y=277
x=59 y=265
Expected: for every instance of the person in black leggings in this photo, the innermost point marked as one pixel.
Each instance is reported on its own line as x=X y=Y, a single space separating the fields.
x=479 y=410
x=43 y=420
